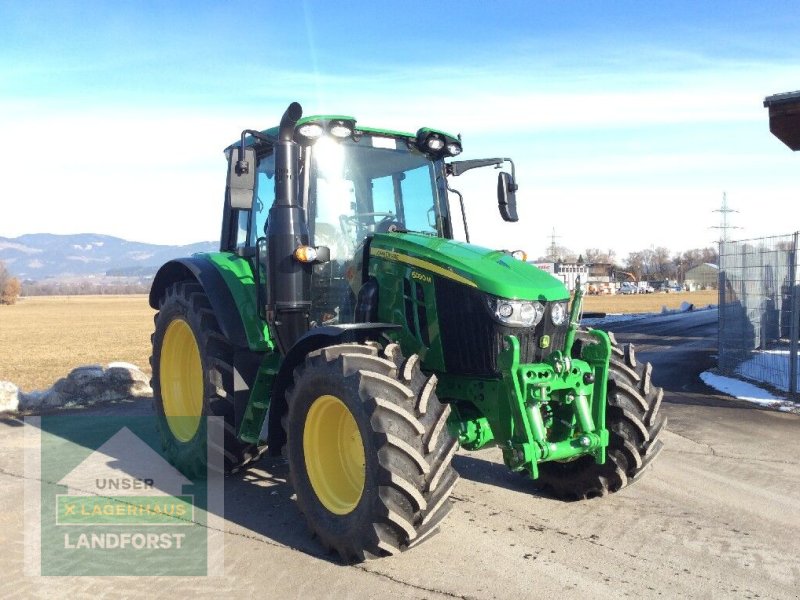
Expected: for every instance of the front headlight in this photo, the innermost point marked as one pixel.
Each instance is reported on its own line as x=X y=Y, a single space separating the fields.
x=558 y=313
x=516 y=313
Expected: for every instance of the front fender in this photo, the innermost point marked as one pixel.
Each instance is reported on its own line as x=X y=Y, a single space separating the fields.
x=319 y=337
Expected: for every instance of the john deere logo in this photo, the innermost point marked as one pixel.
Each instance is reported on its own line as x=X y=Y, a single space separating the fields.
x=121 y=509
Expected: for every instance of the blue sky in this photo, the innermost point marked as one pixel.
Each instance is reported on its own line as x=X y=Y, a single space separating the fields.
x=627 y=120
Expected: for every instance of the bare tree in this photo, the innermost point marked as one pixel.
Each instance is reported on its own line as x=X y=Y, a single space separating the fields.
x=9 y=286
x=662 y=267
x=635 y=264
x=560 y=254
x=595 y=255
x=710 y=255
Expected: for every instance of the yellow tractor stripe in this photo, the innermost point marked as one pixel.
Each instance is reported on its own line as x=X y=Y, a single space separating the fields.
x=422 y=264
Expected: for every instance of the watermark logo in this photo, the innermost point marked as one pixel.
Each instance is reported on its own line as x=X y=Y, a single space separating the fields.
x=105 y=501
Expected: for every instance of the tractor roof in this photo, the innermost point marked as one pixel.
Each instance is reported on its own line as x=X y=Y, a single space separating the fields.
x=272 y=132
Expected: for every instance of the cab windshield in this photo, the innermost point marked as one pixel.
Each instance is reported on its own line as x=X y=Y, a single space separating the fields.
x=373 y=185
x=358 y=188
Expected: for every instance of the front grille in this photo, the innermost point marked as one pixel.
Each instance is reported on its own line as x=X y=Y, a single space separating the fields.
x=472 y=339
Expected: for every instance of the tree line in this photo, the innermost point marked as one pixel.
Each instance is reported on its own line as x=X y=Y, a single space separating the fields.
x=11 y=288
x=82 y=287
x=650 y=264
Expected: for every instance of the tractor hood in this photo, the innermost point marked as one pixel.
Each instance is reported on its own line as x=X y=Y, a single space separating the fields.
x=491 y=271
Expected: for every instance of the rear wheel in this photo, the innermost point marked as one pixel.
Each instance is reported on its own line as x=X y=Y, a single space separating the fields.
x=192 y=364
x=634 y=424
x=368 y=448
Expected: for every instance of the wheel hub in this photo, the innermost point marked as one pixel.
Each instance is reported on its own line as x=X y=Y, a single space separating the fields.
x=334 y=455
x=181 y=377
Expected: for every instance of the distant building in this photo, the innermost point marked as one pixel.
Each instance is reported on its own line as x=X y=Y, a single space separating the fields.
x=600 y=278
x=596 y=278
x=702 y=277
x=569 y=272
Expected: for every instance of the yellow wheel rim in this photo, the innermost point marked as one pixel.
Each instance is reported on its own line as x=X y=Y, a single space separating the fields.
x=181 y=380
x=334 y=455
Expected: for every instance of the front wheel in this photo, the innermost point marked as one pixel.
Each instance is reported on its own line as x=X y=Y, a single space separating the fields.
x=634 y=424
x=368 y=449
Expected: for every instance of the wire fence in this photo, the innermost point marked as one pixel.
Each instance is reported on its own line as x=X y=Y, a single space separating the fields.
x=759 y=302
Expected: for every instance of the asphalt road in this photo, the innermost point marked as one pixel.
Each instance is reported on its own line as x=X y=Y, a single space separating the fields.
x=717 y=516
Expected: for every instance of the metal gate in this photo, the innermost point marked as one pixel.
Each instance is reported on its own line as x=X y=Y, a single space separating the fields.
x=759 y=310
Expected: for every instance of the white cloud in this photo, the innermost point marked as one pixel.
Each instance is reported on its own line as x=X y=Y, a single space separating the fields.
x=622 y=159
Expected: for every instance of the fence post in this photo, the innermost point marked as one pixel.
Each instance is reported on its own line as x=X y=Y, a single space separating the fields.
x=720 y=305
x=795 y=324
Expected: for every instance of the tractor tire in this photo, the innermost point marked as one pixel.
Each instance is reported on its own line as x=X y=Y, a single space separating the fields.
x=192 y=365
x=368 y=449
x=634 y=425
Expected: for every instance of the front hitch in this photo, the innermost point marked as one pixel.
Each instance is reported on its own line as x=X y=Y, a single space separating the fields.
x=565 y=390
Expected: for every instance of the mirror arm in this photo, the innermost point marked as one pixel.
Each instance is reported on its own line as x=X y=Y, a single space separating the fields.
x=513 y=174
x=457 y=167
x=461 y=201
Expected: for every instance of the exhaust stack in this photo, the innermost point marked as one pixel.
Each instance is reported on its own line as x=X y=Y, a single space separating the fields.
x=288 y=293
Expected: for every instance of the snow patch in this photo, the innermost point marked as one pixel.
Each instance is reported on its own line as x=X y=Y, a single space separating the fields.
x=9 y=397
x=20 y=248
x=621 y=317
x=748 y=392
x=615 y=318
x=87 y=259
x=768 y=366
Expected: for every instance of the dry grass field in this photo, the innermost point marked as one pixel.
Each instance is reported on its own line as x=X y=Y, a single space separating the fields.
x=647 y=303
x=43 y=338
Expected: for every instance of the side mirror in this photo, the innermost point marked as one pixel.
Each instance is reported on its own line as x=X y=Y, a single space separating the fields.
x=241 y=178
x=507 y=197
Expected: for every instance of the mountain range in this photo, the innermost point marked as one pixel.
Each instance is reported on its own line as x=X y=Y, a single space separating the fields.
x=38 y=256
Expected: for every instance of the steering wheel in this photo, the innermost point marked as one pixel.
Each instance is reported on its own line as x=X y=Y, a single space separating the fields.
x=381 y=226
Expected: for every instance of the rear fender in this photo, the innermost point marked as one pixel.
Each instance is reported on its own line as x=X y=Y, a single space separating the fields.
x=201 y=269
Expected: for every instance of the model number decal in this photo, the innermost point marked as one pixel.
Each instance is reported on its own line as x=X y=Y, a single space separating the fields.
x=421 y=277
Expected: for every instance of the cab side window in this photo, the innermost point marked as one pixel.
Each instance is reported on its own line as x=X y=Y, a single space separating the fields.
x=242 y=227
x=265 y=195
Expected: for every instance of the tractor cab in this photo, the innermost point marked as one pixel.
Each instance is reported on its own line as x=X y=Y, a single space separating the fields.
x=351 y=189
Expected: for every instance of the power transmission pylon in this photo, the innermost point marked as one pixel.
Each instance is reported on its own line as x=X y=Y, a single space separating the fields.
x=553 y=246
x=724 y=225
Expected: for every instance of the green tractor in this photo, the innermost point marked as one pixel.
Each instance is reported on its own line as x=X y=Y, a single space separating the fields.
x=342 y=326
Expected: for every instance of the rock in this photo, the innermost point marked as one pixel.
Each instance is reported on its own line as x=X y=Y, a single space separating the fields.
x=9 y=397
x=127 y=379
x=89 y=385
x=37 y=399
